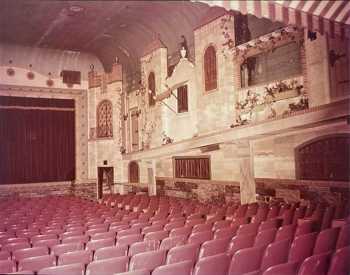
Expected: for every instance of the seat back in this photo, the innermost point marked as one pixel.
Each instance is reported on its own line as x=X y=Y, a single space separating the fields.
x=250 y=228
x=37 y=263
x=5 y=255
x=7 y=266
x=171 y=242
x=183 y=253
x=226 y=232
x=340 y=262
x=285 y=269
x=285 y=232
x=344 y=236
x=302 y=247
x=265 y=237
x=213 y=247
x=315 y=265
x=216 y=264
x=181 y=268
x=141 y=247
x=269 y=224
x=59 y=249
x=29 y=252
x=202 y=227
x=110 y=252
x=275 y=253
x=129 y=231
x=108 y=266
x=129 y=239
x=326 y=240
x=184 y=231
x=156 y=236
x=240 y=242
x=147 y=260
x=74 y=257
x=246 y=260
x=94 y=245
x=200 y=237
x=72 y=269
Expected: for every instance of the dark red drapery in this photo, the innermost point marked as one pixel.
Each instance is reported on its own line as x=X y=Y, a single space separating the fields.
x=36 y=144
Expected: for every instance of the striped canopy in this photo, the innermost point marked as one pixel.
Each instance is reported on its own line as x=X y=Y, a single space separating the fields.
x=332 y=17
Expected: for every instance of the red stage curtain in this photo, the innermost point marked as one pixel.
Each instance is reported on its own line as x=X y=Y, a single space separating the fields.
x=36 y=145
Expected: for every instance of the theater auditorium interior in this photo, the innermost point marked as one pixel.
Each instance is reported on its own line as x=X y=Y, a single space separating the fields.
x=174 y=137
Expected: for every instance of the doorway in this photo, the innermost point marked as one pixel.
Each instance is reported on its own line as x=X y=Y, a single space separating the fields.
x=105 y=181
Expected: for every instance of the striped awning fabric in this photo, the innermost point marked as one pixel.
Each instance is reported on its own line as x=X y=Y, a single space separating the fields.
x=332 y=17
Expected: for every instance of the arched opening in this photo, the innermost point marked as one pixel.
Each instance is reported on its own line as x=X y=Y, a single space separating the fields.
x=151 y=89
x=324 y=158
x=210 y=70
x=104 y=119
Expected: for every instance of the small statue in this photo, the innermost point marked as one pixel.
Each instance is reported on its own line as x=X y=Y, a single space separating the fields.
x=183 y=44
x=166 y=139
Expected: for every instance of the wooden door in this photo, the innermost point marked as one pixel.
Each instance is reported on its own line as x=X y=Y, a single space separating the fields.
x=105 y=181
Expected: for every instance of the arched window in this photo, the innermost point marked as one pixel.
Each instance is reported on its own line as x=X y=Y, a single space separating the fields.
x=151 y=89
x=134 y=172
x=104 y=119
x=210 y=71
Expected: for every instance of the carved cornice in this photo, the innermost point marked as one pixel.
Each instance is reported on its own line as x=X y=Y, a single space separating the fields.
x=26 y=89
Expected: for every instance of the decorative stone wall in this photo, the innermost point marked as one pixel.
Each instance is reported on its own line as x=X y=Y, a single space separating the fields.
x=202 y=190
x=105 y=87
x=215 y=108
x=36 y=189
x=302 y=190
x=150 y=122
x=274 y=156
x=85 y=190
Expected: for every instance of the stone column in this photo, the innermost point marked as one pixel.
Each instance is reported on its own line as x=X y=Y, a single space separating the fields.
x=246 y=172
x=151 y=171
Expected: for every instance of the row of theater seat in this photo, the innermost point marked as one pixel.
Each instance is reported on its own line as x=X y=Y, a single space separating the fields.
x=151 y=238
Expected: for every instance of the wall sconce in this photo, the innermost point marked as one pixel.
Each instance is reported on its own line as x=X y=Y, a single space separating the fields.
x=138 y=112
x=125 y=117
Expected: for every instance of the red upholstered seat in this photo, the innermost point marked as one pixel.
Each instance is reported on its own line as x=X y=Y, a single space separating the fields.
x=217 y=264
x=340 y=262
x=108 y=266
x=110 y=252
x=183 y=253
x=20 y=254
x=71 y=269
x=246 y=260
x=213 y=247
x=80 y=256
x=147 y=260
x=36 y=263
x=7 y=266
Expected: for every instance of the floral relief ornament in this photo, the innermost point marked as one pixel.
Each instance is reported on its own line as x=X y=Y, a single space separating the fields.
x=10 y=71
x=30 y=74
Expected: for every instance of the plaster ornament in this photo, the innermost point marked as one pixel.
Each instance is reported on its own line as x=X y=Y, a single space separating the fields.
x=183 y=52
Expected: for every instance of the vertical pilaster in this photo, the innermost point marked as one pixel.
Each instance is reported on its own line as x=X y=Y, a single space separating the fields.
x=246 y=172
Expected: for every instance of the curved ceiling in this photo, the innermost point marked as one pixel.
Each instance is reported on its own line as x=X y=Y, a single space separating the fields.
x=104 y=28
